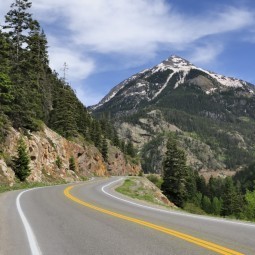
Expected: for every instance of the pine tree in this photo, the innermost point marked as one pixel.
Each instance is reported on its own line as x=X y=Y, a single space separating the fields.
x=6 y=96
x=201 y=184
x=175 y=175
x=232 y=204
x=5 y=47
x=96 y=134
x=216 y=206
x=116 y=140
x=18 y=21
x=191 y=184
x=249 y=209
x=206 y=204
x=130 y=149
x=104 y=149
x=21 y=162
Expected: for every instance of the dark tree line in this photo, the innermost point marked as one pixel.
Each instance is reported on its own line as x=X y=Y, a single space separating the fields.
x=219 y=196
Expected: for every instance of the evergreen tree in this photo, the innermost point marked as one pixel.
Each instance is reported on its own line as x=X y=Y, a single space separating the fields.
x=246 y=177
x=116 y=140
x=216 y=206
x=123 y=146
x=18 y=21
x=104 y=149
x=206 y=204
x=21 y=162
x=6 y=96
x=63 y=117
x=249 y=209
x=231 y=199
x=4 y=54
x=130 y=150
x=96 y=133
x=201 y=184
x=174 y=183
x=191 y=184
x=214 y=187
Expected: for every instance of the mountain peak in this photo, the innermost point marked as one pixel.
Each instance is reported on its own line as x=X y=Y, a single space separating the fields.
x=174 y=63
x=177 y=61
x=175 y=70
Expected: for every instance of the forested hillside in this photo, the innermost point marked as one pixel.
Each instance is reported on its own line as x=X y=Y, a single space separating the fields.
x=229 y=196
x=32 y=94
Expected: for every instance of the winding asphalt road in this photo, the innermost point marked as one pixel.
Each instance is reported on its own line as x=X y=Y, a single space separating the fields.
x=91 y=218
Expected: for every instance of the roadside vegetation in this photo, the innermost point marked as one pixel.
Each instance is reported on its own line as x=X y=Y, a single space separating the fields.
x=129 y=188
x=227 y=197
x=140 y=188
x=230 y=197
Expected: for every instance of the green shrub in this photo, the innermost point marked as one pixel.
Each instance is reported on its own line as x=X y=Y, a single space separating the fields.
x=155 y=179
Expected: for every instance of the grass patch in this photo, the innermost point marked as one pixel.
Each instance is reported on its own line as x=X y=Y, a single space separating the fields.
x=131 y=189
x=157 y=180
x=191 y=208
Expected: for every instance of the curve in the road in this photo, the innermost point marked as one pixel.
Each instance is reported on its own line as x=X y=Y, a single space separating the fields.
x=103 y=189
x=208 y=245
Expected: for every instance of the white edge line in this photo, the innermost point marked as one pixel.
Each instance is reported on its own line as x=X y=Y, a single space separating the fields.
x=34 y=247
x=171 y=212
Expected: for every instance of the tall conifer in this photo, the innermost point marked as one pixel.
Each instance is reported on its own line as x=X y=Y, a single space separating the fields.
x=21 y=162
x=175 y=174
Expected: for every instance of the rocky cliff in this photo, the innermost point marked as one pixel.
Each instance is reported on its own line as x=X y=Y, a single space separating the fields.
x=44 y=147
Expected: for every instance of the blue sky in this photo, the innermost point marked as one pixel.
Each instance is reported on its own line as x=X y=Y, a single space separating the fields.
x=105 y=42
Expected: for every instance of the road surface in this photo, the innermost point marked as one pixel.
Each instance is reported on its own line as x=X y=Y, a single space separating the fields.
x=91 y=218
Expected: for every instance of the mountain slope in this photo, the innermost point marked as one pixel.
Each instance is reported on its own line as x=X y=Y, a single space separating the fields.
x=212 y=115
x=149 y=84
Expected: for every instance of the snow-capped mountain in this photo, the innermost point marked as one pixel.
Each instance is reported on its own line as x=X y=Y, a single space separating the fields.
x=212 y=115
x=174 y=71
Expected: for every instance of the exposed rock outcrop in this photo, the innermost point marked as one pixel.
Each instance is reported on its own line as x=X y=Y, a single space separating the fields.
x=44 y=147
x=119 y=164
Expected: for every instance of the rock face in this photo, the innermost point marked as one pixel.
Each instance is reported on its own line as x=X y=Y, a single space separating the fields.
x=6 y=173
x=119 y=164
x=149 y=135
x=46 y=146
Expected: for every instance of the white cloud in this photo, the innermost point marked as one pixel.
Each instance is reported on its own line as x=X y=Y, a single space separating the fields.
x=134 y=30
x=206 y=54
x=79 y=67
x=88 y=96
x=140 y=27
x=136 y=27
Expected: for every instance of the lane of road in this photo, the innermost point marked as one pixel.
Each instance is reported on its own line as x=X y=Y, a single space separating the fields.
x=63 y=226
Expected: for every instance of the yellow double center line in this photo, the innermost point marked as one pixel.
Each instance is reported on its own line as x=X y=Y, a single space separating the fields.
x=208 y=245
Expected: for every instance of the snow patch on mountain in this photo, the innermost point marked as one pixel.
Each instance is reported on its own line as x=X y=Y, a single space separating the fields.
x=174 y=63
x=210 y=91
x=183 y=67
x=226 y=81
x=163 y=87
